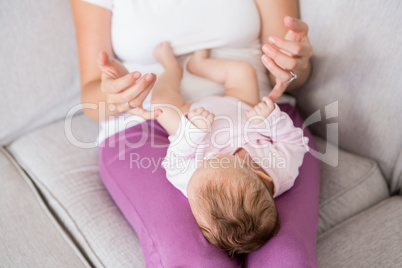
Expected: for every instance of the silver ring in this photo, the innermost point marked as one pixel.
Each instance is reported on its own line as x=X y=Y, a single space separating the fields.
x=294 y=76
x=129 y=105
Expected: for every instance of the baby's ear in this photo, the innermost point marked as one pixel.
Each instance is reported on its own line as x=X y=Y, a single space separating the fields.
x=266 y=179
x=263 y=176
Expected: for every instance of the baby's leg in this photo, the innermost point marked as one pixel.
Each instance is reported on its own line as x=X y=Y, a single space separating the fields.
x=238 y=77
x=166 y=94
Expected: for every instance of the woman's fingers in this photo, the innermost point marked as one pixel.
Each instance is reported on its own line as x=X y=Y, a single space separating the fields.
x=296 y=25
x=143 y=95
x=127 y=91
x=129 y=88
x=129 y=106
x=278 y=90
x=281 y=59
x=134 y=96
x=106 y=66
x=298 y=49
x=132 y=93
x=291 y=53
x=277 y=71
x=137 y=93
x=139 y=100
x=103 y=59
x=113 y=86
x=147 y=115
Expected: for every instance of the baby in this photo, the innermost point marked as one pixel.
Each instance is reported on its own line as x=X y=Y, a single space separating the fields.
x=231 y=155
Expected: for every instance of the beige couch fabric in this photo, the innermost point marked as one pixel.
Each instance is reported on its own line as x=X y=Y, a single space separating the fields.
x=372 y=238
x=68 y=178
x=30 y=237
x=357 y=62
x=355 y=184
x=39 y=78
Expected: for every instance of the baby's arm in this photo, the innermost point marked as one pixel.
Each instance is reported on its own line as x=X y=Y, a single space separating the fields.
x=285 y=140
x=184 y=152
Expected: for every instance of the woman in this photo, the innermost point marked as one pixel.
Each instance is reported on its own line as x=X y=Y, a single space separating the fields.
x=233 y=29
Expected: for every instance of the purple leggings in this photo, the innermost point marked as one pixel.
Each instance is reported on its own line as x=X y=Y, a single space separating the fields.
x=162 y=218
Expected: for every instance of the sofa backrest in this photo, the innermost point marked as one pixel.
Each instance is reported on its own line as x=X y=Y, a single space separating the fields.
x=357 y=63
x=39 y=75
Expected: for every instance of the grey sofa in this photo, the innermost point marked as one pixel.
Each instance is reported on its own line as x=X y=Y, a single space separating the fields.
x=55 y=211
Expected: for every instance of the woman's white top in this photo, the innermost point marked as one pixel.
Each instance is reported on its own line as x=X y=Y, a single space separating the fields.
x=231 y=28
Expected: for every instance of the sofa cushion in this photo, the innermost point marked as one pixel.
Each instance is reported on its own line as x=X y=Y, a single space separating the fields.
x=372 y=238
x=39 y=78
x=30 y=235
x=357 y=64
x=355 y=184
x=67 y=175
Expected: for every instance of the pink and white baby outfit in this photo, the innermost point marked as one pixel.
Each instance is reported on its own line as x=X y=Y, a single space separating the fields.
x=275 y=144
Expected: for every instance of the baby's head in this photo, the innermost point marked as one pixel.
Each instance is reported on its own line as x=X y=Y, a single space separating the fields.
x=232 y=205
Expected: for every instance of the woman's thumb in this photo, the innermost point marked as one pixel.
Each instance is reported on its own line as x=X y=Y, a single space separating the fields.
x=296 y=25
x=106 y=65
x=103 y=58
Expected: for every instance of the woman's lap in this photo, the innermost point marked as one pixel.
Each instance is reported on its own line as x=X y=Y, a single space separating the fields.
x=162 y=218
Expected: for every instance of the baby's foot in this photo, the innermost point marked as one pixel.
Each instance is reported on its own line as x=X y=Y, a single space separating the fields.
x=261 y=111
x=196 y=59
x=163 y=53
x=201 y=118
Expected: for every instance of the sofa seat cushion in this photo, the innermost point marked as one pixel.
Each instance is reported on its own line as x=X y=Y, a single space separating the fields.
x=30 y=235
x=68 y=177
x=355 y=184
x=372 y=238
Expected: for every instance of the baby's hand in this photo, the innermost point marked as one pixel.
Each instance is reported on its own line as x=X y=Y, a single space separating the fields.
x=201 y=118
x=261 y=111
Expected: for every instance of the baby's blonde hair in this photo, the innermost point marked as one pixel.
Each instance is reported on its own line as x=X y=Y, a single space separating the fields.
x=240 y=213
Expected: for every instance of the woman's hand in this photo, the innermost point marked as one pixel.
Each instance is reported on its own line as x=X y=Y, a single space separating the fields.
x=291 y=53
x=127 y=91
